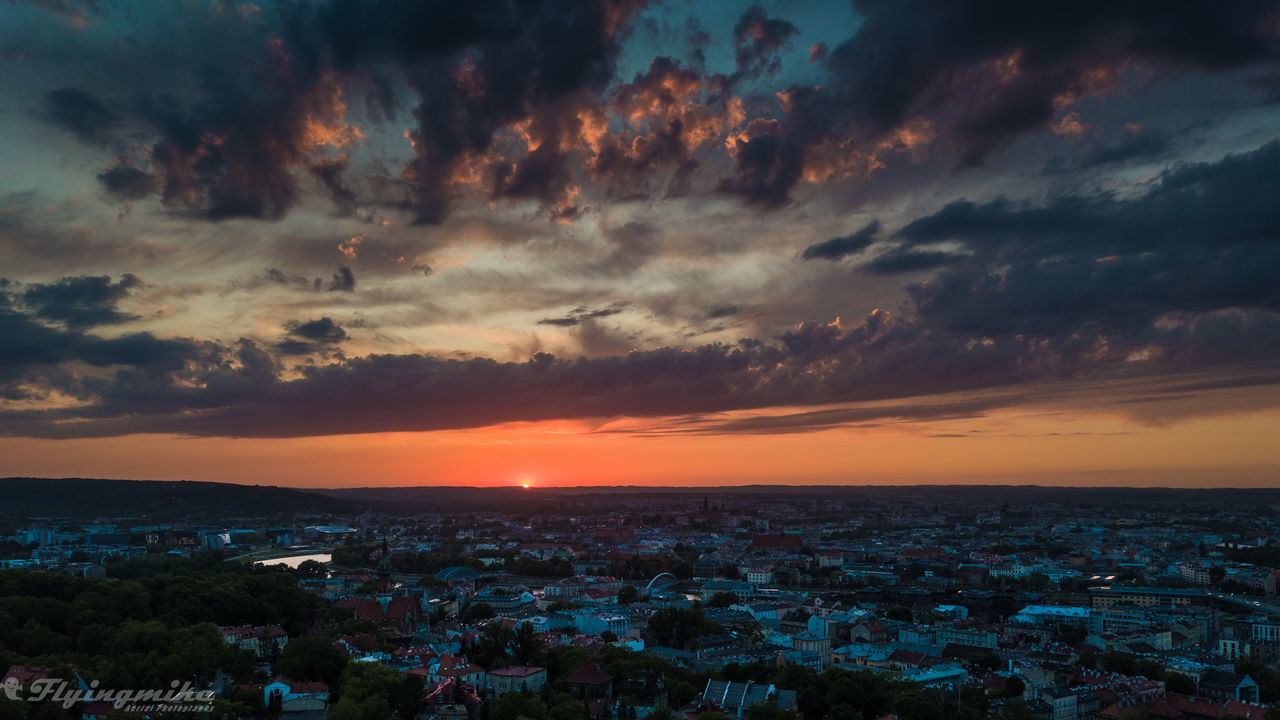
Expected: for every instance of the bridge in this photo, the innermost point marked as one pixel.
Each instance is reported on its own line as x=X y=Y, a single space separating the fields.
x=656 y=584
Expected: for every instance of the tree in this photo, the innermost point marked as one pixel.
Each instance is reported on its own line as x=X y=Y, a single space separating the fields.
x=1014 y=686
x=526 y=646
x=477 y=611
x=677 y=626
x=722 y=600
x=492 y=646
x=1217 y=574
x=312 y=658
x=312 y=569
x=513 y=705
x=628 y=594
x=900 y=613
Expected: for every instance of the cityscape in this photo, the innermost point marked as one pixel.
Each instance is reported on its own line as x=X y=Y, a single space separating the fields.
x=763 y=602
x=639 y=360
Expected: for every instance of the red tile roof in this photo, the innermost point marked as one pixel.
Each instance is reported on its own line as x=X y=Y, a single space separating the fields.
x=588 y=673
x=26 y=673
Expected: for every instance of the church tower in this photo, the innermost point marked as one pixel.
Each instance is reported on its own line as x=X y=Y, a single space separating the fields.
x=384 y=569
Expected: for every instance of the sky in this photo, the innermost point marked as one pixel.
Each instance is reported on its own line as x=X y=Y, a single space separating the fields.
x=328 y=243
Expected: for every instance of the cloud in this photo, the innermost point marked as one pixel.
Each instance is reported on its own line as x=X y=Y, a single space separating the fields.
x=723 y=311
x=1201 y=239
x=80 y=302
x=127 y=183
x=758 y=38
x=900 y=260
x=323 y=330
x=37 y=359
x=82 y=114
x=1134 y=146
x=343 y=281
x=838 y=248
x=303 y=338
x=985 y=78
x=582 y=314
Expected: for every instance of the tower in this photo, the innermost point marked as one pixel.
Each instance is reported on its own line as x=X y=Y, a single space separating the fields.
x=384 y=569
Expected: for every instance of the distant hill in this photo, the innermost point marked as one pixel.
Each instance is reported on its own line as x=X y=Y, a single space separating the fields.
x=87 y=498
x=553 y=499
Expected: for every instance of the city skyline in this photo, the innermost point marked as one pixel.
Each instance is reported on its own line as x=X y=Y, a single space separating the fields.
x=341 y=244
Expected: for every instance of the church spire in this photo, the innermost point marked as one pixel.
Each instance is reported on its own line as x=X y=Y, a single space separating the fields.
x=384 y=568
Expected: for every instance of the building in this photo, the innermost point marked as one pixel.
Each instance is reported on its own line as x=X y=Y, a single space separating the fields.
x=261 y=641
x=1223 y=686
x=578 y=585
x=733 y=698
x=1109 y=597
x=814 y=642
x=294 y=696
x=589 y=682
x=515 y=678
x=778 y=541
x=451 y=667
x=1062 y=701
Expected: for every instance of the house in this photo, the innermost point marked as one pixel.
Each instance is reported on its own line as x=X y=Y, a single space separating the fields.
x=870 y=632
x=1222 y=686
x=399 y=612
x=589 y=682
x=1062 y=701
x=23 y=674
x=261 y=641
x=735 y=697
x=295 y=696
x=516 y=678
x=452 y=667
x=820 y=644
x=1175 y=706
x=778 y=541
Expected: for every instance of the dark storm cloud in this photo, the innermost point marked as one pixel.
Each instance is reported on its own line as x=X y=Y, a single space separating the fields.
x=765 y=168
x=37 y=359
x=411 y=392
x=818 y=420
x=815 y=364
x=80 y=302
x=841 y=247
x=495 y=66
x=281 y=277
x=758 y=38
x=1175 y=275
x=343 y=281
x=899 y=260
x=1144 y=146
x=323 y=330
x=79 y=112
x=1203 y=238
x=673 y=109
x=311 y=336
x=504 y=94
x=720 y=312
x=988 y=74
x=1177 y=280
x=582 y=314
x=127 y=183
x=330 y=174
